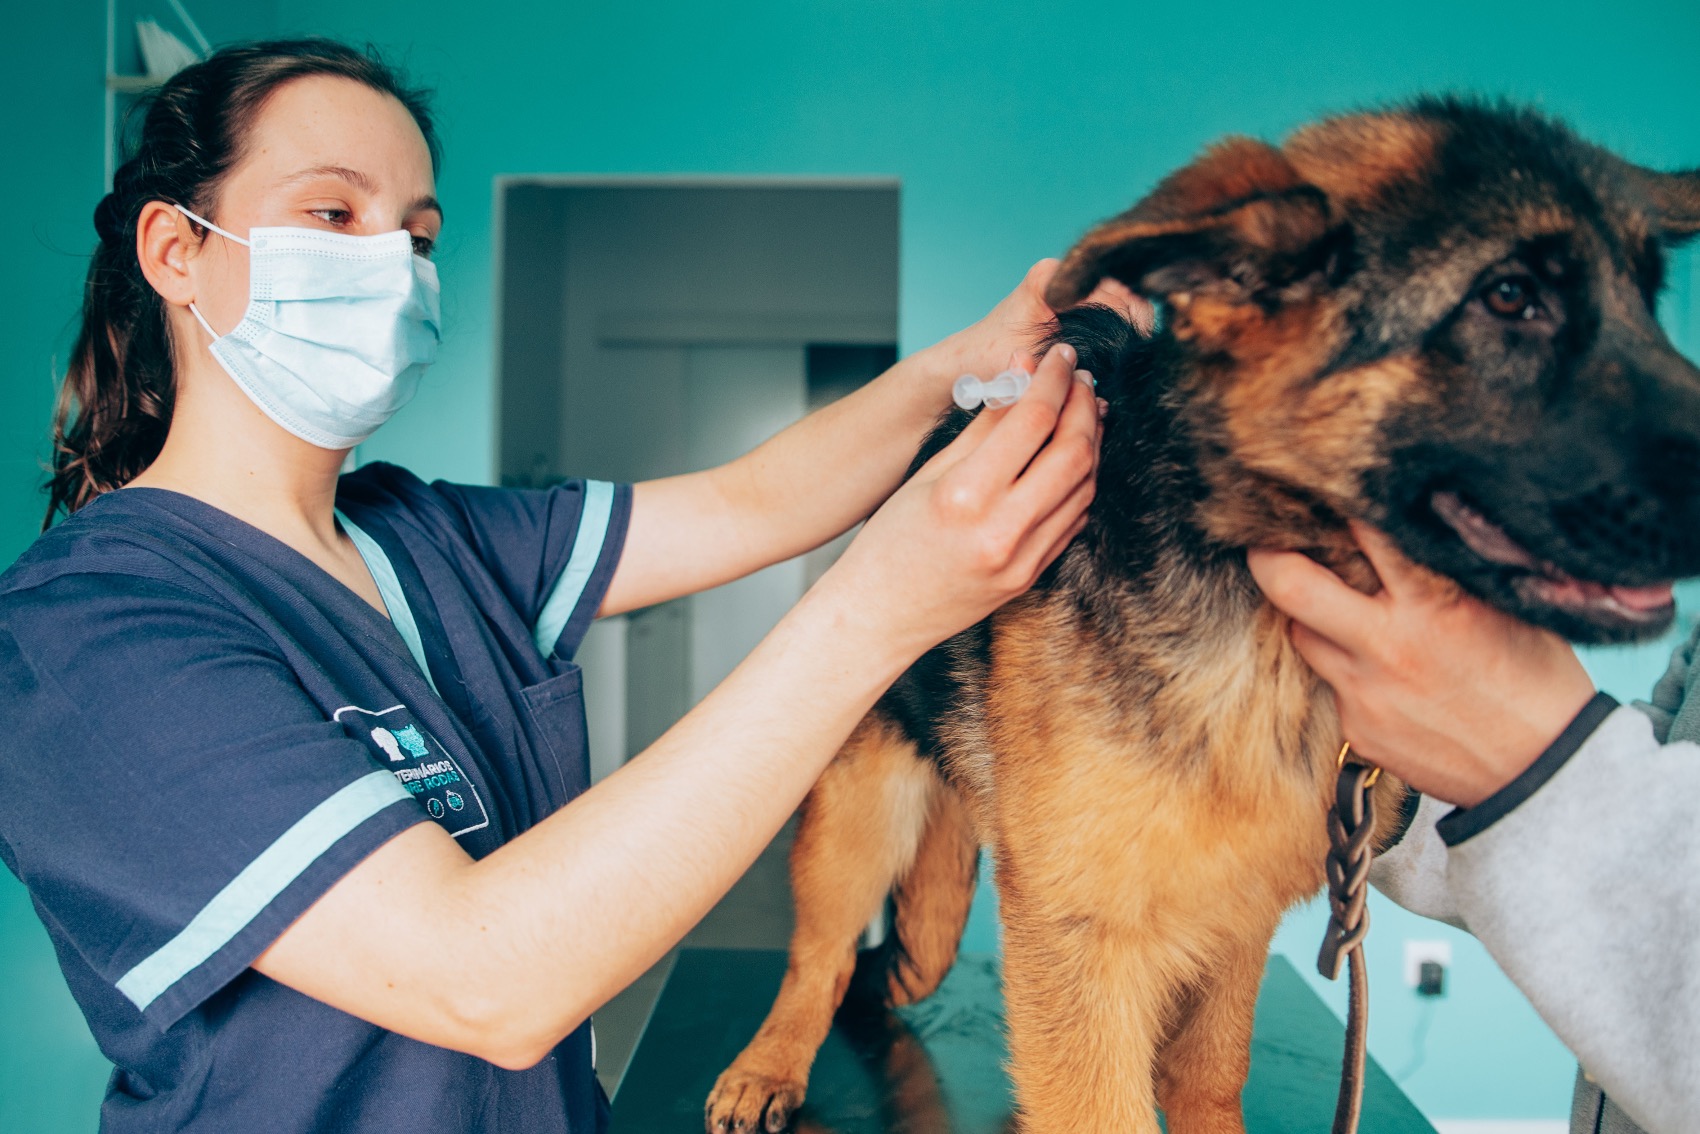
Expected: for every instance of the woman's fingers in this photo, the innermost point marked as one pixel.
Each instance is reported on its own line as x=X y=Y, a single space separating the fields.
x=963 y=445
x=1017 y=481
x=1401 y=577
x=1114 y=294
x=1055 y=532
x=1028 y=424
x=1310 y=593
x=1058 y=486
x=1330 y=662
x=1038 y=277
x=1068 y=460
x=987 y=455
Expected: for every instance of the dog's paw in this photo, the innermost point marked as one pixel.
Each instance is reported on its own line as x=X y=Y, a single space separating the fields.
x=744 y=1102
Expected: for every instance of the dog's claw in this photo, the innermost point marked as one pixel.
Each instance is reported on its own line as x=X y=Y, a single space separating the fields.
x=748 y=1103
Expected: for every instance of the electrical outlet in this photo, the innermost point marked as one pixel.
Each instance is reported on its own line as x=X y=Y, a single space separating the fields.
x=1417 y=952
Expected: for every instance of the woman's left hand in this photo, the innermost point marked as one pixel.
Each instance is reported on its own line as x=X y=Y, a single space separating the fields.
x=1007 y=335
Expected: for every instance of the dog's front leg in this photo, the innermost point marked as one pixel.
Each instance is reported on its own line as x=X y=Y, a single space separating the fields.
x=1086 y=1006
x=1202 y=1069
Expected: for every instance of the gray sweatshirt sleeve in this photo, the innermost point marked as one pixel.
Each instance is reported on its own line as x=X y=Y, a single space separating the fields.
x=1413 y=871
x=1580 y=880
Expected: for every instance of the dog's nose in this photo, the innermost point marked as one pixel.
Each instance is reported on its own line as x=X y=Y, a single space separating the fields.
x=1651 y=528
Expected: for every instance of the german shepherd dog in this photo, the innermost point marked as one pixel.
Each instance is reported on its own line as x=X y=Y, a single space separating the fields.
x=1437 y=319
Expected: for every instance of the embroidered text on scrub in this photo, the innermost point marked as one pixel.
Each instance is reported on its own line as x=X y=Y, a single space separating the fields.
x=1004 y=390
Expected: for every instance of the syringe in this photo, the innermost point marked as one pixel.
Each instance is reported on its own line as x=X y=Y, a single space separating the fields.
x=970 y=392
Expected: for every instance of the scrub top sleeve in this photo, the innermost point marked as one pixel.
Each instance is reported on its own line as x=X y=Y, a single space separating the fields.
x=168 y=792
x=553 y=551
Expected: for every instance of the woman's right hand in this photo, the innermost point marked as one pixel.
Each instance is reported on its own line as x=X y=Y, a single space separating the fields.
x=976 y=525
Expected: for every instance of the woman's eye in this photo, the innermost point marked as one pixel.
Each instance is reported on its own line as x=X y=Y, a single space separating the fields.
x=1515 y=297
x=422 y=246
x=335 y=217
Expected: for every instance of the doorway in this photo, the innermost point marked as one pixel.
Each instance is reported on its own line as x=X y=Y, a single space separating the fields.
x=654 y=326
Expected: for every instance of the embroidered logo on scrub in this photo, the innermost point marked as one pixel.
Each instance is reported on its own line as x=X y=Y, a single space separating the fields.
x=421 y=764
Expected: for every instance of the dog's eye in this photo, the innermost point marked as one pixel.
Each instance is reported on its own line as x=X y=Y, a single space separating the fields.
x=1514 y=297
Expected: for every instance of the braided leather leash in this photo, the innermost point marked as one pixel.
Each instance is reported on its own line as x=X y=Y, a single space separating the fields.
x=1350 y=826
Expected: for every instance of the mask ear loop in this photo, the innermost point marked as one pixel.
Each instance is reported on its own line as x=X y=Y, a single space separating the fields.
x=201 y=319
x=205 y=223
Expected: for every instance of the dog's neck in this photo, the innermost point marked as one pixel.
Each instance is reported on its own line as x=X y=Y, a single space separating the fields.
x=1174 y=502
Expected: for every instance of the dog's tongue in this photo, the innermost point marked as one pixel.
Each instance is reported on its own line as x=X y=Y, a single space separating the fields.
x=1490 y=541
x=1656 y=597
x=1634 y=603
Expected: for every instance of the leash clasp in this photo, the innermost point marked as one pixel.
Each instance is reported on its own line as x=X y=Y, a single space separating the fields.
x=1340 y=765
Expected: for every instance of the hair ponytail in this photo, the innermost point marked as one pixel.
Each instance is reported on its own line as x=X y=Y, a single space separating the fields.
x=114 y=407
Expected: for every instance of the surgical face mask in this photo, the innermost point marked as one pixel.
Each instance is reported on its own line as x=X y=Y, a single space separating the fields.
x=337 y=332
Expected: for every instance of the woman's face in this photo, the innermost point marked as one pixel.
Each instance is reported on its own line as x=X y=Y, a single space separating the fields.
x=326 y=153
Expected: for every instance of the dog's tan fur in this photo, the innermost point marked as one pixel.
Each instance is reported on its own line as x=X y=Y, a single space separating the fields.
x=1140 y=873
x=1153 y=965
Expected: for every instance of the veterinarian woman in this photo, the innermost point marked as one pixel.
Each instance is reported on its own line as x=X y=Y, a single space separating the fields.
x=294 y=766
x=1556 y=826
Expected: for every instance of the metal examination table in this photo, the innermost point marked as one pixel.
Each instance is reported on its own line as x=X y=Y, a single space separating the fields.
x=936 y=1067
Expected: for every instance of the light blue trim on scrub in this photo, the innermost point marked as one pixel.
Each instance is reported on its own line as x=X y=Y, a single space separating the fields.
x=242 y=899
x=587 y=549
x=389 y=589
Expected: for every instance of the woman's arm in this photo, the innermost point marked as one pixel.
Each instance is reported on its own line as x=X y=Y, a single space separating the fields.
x=1574 y=853
x=822 y=475
x=544 y=930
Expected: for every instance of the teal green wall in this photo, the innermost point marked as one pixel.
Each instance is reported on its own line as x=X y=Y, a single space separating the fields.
x=52 y=171
x=1012 y=126
x=51 y=155
x=51 y=56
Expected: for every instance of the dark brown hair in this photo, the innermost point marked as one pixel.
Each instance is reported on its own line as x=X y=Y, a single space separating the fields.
x=114 y=407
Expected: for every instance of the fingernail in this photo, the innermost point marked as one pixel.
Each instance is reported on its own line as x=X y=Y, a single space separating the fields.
x=1067 y=352
x=1103 y=409
x=1086 y=377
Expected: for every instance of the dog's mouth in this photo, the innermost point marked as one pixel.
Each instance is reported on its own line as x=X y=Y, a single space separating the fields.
x=1538 y=580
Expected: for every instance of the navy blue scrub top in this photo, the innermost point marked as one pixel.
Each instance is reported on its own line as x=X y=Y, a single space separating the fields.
x=203 y=731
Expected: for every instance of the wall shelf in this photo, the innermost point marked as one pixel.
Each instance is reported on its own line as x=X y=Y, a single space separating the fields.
x=132 y=84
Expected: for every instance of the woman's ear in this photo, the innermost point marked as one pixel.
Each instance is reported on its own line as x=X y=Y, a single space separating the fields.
x=166 y=246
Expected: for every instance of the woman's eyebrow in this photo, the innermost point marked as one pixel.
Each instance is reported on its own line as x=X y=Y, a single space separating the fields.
x=427 y=202
x=353 y=176
x=360 y=181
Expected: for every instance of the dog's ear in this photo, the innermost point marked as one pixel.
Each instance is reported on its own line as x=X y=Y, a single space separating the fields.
x=1238 y=222
x=1676 y=203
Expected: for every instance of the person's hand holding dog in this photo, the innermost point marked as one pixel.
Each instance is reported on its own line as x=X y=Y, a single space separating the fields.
x=976 y=524
x=1005 y=336
x=1445 y=692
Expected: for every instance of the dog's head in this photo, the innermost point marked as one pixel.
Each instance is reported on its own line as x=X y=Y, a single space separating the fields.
x=1438 y=319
